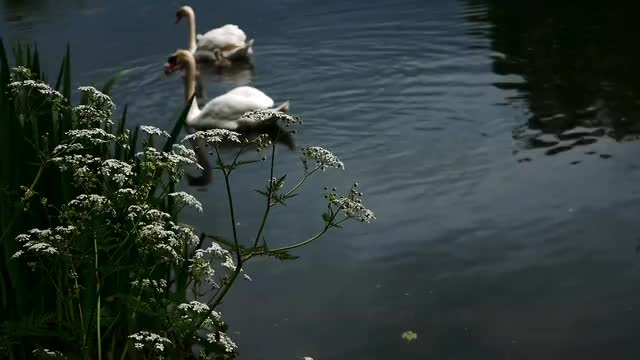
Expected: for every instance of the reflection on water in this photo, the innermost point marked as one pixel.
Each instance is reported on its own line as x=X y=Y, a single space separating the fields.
x=484 y=255
x=578 y=65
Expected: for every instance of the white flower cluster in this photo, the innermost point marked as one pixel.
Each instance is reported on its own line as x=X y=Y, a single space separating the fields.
x=47 y=354
x=98 y=100
x=84 y=204
x=351 y=205
x=89 y=116
x=143 y=339
x=200 y=263
x=119 y=171
x=184 y=199
x=39 y=86
x=95 y=136
x=323 y=157
x=222 y=339
x=158 y=235
x=156 y=285
x=151 y=158
x=200 y=267
x=194 y=306
x=152 y=130
x=44 y=242
x=269 y=115
x=214 y=136
x=67 y=148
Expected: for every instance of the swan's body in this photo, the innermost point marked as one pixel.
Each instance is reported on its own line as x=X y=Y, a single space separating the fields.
x=229 y=39
x=226 y=110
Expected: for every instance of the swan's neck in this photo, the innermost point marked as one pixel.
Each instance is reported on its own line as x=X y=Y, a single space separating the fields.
x=189 y=80
x=191 y=18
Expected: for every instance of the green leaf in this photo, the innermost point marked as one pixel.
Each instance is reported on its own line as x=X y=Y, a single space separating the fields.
x=177 y=128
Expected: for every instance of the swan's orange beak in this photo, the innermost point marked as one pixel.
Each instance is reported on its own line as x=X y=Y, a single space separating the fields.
x=169 y=68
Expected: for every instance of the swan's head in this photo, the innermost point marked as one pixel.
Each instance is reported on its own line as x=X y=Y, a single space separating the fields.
x=184 y=11
x=178 y=61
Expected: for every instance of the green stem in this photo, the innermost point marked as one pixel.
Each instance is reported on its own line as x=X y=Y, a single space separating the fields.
x=269 y=194
x=304 y=178
x=234 y=276
x=99 y=337
x=326 y=228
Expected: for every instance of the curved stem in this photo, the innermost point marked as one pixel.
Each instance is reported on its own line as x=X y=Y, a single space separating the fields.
x=269 y=204
x=304 y=178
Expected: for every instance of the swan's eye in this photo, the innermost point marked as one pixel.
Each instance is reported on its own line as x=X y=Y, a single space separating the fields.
x=172 y=59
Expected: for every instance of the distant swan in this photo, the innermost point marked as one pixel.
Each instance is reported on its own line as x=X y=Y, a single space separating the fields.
x=226 y=110
x=229 y=39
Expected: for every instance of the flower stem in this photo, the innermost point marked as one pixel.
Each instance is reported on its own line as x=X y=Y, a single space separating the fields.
x=269 y=194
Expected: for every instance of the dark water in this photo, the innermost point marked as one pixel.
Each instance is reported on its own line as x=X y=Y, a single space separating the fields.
x=496 y=142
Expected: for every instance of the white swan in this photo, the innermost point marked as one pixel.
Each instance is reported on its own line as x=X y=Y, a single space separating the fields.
x=229 y=39
x=224 y=111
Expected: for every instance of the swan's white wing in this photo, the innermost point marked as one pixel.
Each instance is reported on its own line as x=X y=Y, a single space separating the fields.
x=224 y=37
x=224 y=111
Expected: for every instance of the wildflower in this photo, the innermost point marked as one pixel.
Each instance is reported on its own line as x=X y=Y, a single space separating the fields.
x=89 y=116
x=214 y=136
x=194 y=306
x=184 y=199
x=98 y=99
x=228 y=263
x=269 y=115
x=39 y=86
x=92 y=202
x=222 y=339
x=142 y=338
x=64 y=148
x=323 y=157
x=351 y=205
x=200 y=268
x=94 y=136
x=118 y=170
x=48 y=354
x=152 y=130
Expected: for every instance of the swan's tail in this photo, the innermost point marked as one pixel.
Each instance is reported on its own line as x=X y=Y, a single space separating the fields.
x=240 y=53
x=284 y=107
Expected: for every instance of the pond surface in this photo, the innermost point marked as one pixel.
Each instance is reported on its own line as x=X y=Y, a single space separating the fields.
x=497 y=144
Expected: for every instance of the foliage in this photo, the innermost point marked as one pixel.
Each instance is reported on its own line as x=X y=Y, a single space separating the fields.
x=94 y=260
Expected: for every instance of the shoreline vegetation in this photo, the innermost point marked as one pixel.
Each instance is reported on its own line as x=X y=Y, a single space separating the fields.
x=94 y=260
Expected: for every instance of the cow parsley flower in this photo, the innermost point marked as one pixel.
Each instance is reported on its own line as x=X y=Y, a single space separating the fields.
x=200 y=268
x=222 y=339
x=94 y=136
x=323 y=158
x=145 y=338
x=118 y=170
x=152 y=130
x=195 y=306
x=184 y=199
x=269 y=115
x=214 y=136
x=38 y=86
x=89 y=116
x=351 y=205
x=47 y=354
x=97 y=99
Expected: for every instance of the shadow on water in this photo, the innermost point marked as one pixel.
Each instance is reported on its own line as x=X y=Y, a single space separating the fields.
x=578 y=65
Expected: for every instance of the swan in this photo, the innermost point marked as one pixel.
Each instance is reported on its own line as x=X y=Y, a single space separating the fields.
x=229 y=39
x=226 y=110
